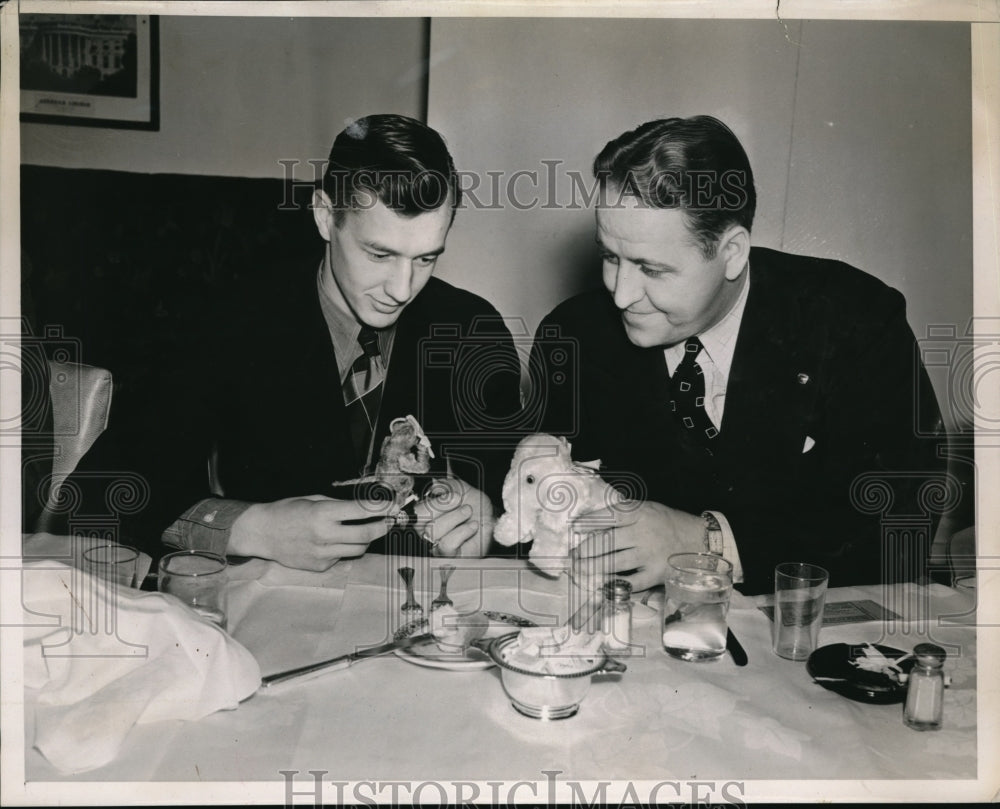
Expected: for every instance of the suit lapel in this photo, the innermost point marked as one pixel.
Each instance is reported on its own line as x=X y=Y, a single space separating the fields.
x=621 y=372
x=401 y=375
x=765 y=395
x=319 y=362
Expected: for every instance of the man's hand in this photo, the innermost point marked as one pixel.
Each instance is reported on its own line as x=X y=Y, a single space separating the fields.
x=457 y=518
x=309 y=533
x=643 y=535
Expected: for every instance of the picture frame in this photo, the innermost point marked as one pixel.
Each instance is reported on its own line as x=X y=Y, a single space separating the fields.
x=90 y=70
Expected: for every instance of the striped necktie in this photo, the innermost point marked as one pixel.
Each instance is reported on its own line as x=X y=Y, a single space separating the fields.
x=687 y=389
x=362 y=394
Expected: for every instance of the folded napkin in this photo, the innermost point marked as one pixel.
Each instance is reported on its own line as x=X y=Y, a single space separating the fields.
x=98 y=660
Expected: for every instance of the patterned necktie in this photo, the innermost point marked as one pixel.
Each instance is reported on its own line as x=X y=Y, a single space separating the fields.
x=362 y=394
x=687 y=387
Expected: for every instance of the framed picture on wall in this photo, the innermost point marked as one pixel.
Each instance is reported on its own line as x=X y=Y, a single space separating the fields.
x=90 y=70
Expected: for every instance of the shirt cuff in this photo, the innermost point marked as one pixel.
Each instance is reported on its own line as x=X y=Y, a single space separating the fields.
x=205 y=526
x=729 y=550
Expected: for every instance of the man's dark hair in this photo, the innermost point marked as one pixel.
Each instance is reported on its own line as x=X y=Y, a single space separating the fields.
x=693 y=164
x=402 y=162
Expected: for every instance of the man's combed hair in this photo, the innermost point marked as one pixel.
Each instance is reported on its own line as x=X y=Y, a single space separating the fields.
x=693 y=164
x=403 y=163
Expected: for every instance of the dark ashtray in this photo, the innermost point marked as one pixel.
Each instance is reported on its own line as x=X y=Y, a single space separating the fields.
x=832 y=667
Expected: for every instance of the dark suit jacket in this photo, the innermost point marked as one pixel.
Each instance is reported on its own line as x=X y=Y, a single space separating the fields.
x=266 y=392
x=824 y=351
x=282 y=426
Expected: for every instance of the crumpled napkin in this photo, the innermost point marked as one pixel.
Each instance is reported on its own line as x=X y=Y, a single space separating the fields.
x=98 y=660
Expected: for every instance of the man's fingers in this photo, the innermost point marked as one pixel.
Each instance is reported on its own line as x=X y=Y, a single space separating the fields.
x=442 y=496
x=621 y=514
x=451 y=544
x=603 y=565
x=599 y=543
x=355 y=509
x=353 y=535
x=439 y=527
x=329 y=555
x=369 y=531
x=422 y=513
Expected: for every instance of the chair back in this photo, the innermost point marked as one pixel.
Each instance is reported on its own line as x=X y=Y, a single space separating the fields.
x=81 y=403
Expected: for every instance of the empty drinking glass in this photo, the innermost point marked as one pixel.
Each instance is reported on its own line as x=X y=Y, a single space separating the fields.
x=198 y=578
x=799 y=597
x=112 y=562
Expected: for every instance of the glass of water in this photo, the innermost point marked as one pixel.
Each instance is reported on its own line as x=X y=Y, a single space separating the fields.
x=198 y=578
x=698 y=587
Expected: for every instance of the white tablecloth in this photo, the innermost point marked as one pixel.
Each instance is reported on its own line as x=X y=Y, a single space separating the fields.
x=386 y=719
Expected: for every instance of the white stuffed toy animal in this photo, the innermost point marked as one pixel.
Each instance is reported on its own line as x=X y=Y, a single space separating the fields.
x=543 y=493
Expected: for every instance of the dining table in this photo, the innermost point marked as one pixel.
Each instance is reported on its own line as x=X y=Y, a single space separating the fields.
x=399 y=719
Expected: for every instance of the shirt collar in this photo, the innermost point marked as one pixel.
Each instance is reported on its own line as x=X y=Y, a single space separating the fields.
x=344 y=331
x=719 y=341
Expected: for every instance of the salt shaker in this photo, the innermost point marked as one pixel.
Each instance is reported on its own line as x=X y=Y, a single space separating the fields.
x=616 y=620
x=925 y=688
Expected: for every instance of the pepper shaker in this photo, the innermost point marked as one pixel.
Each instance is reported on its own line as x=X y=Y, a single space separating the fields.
x=616 y=622
x=925 y=688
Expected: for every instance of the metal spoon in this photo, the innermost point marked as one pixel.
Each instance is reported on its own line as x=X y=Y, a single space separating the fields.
x=442 y=600
x=410 y=605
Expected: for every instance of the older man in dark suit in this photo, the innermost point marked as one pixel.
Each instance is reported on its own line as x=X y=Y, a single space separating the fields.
x=749 y=398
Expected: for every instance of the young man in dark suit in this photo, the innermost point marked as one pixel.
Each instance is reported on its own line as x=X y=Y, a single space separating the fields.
x=306 y=372
x=758 y=404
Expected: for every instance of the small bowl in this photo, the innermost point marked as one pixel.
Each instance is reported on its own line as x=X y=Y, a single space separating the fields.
x=546 y=696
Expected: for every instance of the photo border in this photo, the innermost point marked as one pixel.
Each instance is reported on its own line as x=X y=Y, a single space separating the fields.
x=986 y=189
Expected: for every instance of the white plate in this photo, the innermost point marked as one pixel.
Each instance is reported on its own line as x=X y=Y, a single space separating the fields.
x=427 y=653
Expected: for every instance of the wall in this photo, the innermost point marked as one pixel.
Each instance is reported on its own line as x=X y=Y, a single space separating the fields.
x=238 y=94
x=880 y=170
x=859 y=134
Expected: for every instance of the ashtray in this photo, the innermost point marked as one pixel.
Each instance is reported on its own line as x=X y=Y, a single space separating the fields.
x=879 y=678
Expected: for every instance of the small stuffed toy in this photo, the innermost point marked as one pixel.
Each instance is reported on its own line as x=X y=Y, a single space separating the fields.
x=543 y=493
x=405 y=452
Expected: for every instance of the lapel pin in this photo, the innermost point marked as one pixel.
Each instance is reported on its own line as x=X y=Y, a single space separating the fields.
x=802 y=378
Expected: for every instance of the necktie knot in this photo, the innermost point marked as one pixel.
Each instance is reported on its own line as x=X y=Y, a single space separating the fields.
x=687 y=388
x=368 y=338
x=363 y=393
x=692 y=347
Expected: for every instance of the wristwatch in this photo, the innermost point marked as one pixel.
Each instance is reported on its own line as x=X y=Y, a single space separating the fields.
x=713 y=533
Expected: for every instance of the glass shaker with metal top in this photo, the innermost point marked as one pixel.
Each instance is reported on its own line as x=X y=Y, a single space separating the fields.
x=925 y=688
x=616 y=620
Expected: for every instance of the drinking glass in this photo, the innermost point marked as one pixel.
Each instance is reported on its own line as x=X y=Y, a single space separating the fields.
x=113 y=563
x=799 y=596
x=698 y=588
x=198 y=578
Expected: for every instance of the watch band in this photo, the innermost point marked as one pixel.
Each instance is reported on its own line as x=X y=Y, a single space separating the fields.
x=713 y=533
